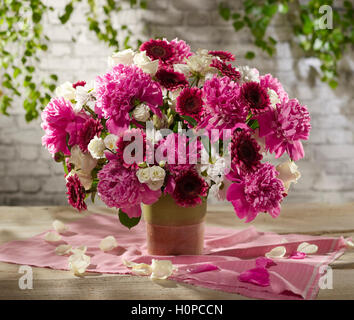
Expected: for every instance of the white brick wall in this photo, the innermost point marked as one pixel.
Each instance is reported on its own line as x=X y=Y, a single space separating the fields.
x=30 y=177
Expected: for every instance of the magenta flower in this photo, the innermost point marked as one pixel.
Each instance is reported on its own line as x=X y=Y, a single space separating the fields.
x=259 y=191
x=223 y=106
x=190 y=103
x=158 y=50
x=256 y=97
x=59 y=121
x=171 y=80
x=284 y=127
x=119 y=187
x=87 y=132
x=226 y=69
x=182 y=50
x=120 y=90
x=223 y=55
x=268 y=82
x=76 y=193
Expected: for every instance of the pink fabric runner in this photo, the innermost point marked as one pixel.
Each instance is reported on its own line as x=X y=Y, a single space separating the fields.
x=233 y=251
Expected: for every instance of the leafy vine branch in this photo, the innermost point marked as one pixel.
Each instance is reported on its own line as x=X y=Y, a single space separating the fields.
x=316 y=36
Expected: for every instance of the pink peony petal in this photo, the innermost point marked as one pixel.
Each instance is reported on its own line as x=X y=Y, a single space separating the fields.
x=258 y=276
x=203 y=268
x=263 y=262
x=298 y=255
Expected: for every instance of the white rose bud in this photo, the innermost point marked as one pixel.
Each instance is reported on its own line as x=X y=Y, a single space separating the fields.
x=145 y=63
x=141 y=112
x=143 y=175
x=110 y=141
x=121 y=57
x=288 y=173
x=157 y=173
x=96 y=147
x=66 y=91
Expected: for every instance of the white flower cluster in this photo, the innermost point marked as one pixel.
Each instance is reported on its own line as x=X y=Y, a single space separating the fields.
x=97 y=145
x=153 y=176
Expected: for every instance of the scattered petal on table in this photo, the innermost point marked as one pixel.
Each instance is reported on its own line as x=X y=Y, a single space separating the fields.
x=79 y=250
x=203 y=268
x=59 y=226
x=262 y=262
x=298 y=255
x=108 y=243
x=63 y=249
x=277 y=252
x=141 y=269
x=349 y=243
x=161 y=269
x=78 y=263
x=52 y=236
x=307 y=248
x=258 y=276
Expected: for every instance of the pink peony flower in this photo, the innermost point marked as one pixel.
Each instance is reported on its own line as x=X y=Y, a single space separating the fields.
x=119 y=187
x=171 y=80
x=182 y=51
x=223 y=55
x=256 y=97
x=189 y=189
x=87 y=132
x=60 y=122
x=268 y=82
x=190 y=103
x=223 y=107
x=76 y=193
x=259 y=191
x=120 y=90
x=245 y=151
x=226 y=69
x=284 y=127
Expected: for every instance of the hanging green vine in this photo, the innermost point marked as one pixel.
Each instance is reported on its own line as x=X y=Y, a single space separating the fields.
x=326 y=44
x=22 y=40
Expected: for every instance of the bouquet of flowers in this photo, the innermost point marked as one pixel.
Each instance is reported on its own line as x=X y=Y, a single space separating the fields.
x=166 y=120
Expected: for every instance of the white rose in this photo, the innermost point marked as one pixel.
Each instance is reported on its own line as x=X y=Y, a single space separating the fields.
x=155 y=185
x=96 y=147
x=66 y=91
x=121 y=57
x=273 y=97
x=143 y=175
x=141 y=112
x=200 y=62
x=157 y=173
x=288 y=173
x=248 y=74
x=145 y=63
x=110 y=141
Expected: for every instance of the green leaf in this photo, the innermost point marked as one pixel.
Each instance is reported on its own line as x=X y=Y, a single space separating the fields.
x=283 y=8
x=224 y=12
x=238 y=25
x=250 y=55
x=126 y=221
x=190 y=120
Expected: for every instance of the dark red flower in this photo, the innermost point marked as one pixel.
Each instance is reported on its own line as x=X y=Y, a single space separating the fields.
x=158 y=49
x=189 y=189
x=170 y=79
x=226 y=69
x=88 y=131
x=256 y=97
x=245 y=151
x=76 y=193
x=79 y=84
x=190 y=103
x=223 y=55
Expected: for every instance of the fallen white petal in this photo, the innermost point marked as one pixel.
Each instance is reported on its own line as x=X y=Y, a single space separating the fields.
x=350 y=244
x=161 y=269
x=52 y=236
x=307 y=248
x=277 y=252
x=78 y=263
x=79 y=250
x=108 y=243
x=141 y=269
x=59 y=226
x=63 y=249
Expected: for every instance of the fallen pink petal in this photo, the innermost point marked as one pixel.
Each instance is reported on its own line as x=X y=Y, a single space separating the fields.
x=258 y=276
x=298 y=255
x=203 y=268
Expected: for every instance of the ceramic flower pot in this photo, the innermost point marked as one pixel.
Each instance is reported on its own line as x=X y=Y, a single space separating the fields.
x=174 y=230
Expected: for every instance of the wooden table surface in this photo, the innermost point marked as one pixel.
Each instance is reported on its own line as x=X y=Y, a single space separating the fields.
x=23 y=222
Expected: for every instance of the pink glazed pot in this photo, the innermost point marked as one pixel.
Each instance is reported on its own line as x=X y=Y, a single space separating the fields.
x=174 y=230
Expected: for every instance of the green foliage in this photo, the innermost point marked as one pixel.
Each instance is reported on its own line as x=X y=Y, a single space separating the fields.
x=22 y=41
x=126 y=221
x=328 y=45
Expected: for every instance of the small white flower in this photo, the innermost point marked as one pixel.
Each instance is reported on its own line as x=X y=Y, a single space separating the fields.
x=59 y=226
x=273 y=97
x=108 y=243
x=66 y=91
x=96 y=147
x=83 y=95
x=307 y=248
x=288 y=173
x=143 y=175
x=248 y=74
x=145 y=63
x=200 y=63
x=63 y=249
x=125 y=57
x=110 y=141
x=155 y=185
x=52 y=236
x=157 y=173
x=78 y=263
x=141 y=112
x=277 y=252
x=161 y=269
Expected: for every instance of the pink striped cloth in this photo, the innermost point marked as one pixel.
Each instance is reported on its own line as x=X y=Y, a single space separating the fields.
x=232 y=251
